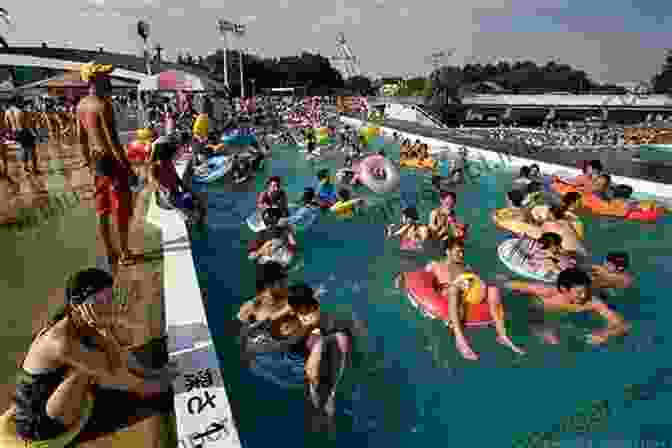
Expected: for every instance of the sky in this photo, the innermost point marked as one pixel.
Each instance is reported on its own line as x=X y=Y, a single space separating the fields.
x=614 y=41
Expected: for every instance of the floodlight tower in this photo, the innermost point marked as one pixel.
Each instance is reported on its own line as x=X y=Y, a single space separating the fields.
x=345 y=60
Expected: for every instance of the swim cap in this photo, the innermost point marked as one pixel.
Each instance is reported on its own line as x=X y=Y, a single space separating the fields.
x=84 y=284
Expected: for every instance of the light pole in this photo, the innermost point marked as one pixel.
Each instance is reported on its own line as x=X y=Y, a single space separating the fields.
x=224 y=27
x=240 y=32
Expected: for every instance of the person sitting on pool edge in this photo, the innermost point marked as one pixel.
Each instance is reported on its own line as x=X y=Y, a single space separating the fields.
x=341 y=207
x=171 y=186
x=572 y=293
x=448 y=273
x=411 y=233
x=442 y=220
x=612 y=274
x=75 y=352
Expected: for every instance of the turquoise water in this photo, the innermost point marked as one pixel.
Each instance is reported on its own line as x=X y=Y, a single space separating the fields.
x=408 y=385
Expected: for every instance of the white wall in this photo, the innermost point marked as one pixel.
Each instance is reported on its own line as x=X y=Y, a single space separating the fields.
x=190 y=341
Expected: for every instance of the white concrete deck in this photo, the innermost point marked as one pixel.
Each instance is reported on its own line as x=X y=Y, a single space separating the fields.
x=202 y=409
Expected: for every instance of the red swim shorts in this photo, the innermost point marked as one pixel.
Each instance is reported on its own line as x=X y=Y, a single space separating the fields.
x=113 y=194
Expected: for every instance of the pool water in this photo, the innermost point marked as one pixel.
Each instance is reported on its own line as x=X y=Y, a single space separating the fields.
x=408 y=384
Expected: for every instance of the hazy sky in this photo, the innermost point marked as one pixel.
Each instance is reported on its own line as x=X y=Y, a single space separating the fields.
x=612 y=40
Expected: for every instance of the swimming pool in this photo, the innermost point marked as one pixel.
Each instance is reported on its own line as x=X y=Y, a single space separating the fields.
x=408 y=384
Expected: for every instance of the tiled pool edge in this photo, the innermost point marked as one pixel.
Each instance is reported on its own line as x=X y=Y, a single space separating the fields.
x=202 y=410
x=497 y=159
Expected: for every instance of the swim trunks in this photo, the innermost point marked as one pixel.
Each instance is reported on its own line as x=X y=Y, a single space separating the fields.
x=112 y=189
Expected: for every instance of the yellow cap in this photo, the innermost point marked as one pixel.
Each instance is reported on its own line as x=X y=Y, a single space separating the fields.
x=90 y=70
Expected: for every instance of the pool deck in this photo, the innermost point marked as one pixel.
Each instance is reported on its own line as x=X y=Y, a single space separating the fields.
x=618 y=162
x=146 y=422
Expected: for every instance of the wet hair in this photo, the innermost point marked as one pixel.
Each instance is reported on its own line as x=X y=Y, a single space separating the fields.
x=84 y=284
x=534 y=166
x=622 y=191
x=323 y=174
x=516 y=197
x=411 y=213
x=558 y=212
x=572 y=277
x=534 y=187
x=524 y=171
x=570 y=198
x=344 y=194
x=619 y=259
x=269 y=274
x=444 y=194
x=606 y=177
x=308 y=195
x=548 y=239
x=451 y=242
x=381 y=153
x=272 y=179
x=596 y=165
x=301 y=299
x=285 y=326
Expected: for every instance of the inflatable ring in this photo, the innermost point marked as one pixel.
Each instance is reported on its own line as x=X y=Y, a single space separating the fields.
x=345 y=207
x=9 y=438
x=374 y=162
x=474 y=284
x=508 y=255
x=422 y=293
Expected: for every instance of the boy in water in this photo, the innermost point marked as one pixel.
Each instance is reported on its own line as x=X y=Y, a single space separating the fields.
x=612 y=274
x=448 y=273
x=572 y=294
x=442 y=220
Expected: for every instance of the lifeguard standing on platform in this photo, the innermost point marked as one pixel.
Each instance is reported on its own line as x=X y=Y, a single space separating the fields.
x=106 y=157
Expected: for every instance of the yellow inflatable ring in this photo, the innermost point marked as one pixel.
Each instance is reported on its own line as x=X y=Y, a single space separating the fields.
x=344 y=206
x=472 y=293
x=9 y=438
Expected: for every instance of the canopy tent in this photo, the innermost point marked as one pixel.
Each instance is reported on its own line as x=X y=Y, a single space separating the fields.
x=176 y=80
x=70 y=84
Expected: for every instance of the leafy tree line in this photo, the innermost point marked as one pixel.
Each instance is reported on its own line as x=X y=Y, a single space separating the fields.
x=314 y=72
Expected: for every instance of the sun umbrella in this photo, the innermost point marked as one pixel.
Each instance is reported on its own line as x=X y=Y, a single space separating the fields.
x=176 y=80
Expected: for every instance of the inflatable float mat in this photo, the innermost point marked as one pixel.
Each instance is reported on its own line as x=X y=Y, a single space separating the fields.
x=505 y=250
x=421 y=289
x=9 y=438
